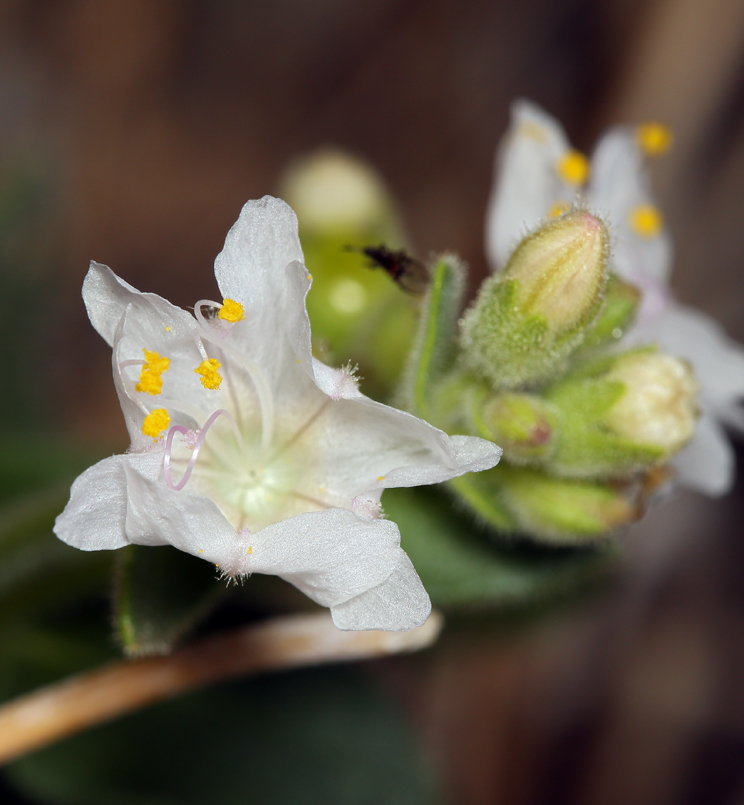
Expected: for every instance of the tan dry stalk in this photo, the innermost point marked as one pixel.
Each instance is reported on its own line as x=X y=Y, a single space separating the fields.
x=46 y=715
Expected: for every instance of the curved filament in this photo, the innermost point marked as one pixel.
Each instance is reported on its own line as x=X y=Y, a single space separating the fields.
x=177 y=487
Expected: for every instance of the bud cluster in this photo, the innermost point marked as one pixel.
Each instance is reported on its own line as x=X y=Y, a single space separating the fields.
x=585 y=427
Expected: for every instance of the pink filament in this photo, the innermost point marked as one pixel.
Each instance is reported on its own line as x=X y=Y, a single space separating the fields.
x=197 y=447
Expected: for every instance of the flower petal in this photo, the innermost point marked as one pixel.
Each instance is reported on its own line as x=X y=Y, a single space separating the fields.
x=619 y=184
x=107 y=296
x=398 y=603
x=95 y=517
x=358 y=445
x=250 y=268
x=330 y=555
x=525 y=185
x=157 y=515
x=717 y=360
x=707 y=463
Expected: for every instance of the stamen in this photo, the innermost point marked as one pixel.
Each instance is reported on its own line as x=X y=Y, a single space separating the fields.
x=197 y=446
x=210 y=377
x=156 y=422
x=654 y=139
x=231 y=311
x=573 y=168
x=257 y=375
x=645 y=220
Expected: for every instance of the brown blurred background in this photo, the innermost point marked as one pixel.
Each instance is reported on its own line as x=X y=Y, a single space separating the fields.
x=150 y=122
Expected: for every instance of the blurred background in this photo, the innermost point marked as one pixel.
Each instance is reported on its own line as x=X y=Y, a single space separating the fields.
x=132 y=131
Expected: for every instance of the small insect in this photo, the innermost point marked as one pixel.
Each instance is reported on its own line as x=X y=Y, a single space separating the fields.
x=409 y=273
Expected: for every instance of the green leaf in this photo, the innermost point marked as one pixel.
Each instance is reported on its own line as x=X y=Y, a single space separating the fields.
x=316 y=737
x=161 y=593
x=459 y=565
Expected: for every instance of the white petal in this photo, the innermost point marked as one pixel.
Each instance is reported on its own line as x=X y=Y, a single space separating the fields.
x=94 y=519
x=157 y=515
x=619 y=183
x=330 y=555
x=526 y=185
x=707 y=463
x=357 y=446
x=717 y=360
x=107 y=296
x=399 y=603
x=258 y=248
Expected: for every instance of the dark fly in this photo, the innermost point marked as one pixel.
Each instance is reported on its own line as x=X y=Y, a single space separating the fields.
x=408 y=272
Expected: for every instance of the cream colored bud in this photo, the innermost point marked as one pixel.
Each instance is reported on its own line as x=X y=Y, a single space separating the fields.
x=659 y=406
x=332 y=190
x=561 y=269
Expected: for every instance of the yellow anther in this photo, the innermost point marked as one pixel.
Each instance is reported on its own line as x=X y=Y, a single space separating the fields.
x=150 y=381
x=155 y=422
x=210 y=377
x=558 y=209
x=573 y=168
x=654 y=139
x=645 y=220
x=231 y=311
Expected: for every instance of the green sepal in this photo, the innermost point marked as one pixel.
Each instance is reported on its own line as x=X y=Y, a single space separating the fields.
x=508 y=349
x=434 y=348
x=460 y=566
x=160 y=594
x=620 y=304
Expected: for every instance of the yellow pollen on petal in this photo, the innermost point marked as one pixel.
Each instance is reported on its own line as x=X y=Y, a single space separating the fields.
x=250 y=549
x=381 y=477
x=231 y=311
x=155 y=422
x=210 y=377
x=654 y=139
x=558 y=209
x=645 y=220
x=532 y=131
x=167 y=329
x=573 y=168
x=200 y=550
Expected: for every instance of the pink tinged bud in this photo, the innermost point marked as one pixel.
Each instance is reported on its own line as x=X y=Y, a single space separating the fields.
x=560 y=270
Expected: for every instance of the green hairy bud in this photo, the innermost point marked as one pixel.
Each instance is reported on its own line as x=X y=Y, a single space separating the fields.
x=527 y=320
x=621 y=300
x=622 y=415
x=523 y=424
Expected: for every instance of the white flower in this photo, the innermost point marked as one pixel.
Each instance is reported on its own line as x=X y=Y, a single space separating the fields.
x=539 y=175
x=248 y=452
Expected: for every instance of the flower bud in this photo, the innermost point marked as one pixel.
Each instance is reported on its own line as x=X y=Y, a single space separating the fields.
x=527 y=320
x=331 y=190
x=658 y=407
x=622 y=416
x=563 y=512
x=559 y=271
x=522 y=424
